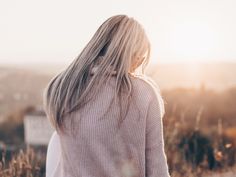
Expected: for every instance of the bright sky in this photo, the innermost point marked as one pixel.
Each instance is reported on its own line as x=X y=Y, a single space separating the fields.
x=56 y=30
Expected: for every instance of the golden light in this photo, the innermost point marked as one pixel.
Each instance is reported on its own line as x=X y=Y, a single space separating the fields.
x=193 y=41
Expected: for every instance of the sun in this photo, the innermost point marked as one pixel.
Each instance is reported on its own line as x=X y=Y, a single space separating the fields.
x=193 y=41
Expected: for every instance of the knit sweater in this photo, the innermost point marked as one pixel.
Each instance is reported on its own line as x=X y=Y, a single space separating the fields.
x=98 y=148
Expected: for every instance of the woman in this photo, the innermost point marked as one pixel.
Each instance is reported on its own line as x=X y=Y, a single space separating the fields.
x=108 y=118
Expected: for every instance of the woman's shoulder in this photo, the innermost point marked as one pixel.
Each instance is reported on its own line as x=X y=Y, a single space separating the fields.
x=149 y=90
x=146 y=84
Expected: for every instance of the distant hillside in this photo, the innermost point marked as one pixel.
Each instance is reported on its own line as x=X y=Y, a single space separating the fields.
x=20 y=88
x=216 y=76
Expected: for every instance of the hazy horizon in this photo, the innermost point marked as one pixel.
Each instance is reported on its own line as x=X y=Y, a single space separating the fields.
x=214 y=75
x=40 y=65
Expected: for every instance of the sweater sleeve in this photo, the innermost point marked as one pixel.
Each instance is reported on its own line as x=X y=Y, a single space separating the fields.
x=156 y=162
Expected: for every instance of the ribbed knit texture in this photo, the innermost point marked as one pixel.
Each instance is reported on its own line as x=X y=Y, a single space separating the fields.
x=100 y=149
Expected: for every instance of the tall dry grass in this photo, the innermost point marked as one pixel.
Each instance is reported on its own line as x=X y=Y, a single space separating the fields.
x=24 y=163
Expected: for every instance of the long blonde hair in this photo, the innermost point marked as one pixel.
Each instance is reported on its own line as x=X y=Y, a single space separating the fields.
x=119 y=45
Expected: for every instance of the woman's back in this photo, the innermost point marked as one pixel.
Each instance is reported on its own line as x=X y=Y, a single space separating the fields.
x=98 y=148
x=119 y=132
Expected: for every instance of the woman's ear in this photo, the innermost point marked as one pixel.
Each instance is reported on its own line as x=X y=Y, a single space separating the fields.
x=136 y=62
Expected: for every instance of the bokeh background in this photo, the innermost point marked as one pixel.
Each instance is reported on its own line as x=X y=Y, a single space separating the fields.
x=193 y=60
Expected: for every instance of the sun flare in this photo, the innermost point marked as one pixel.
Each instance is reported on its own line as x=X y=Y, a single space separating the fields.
x=193 y=41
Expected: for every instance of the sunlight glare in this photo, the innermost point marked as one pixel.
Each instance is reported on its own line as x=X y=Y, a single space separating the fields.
x=193 y=40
